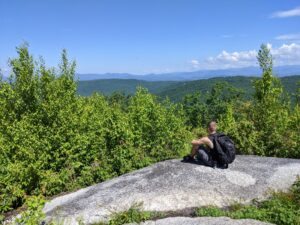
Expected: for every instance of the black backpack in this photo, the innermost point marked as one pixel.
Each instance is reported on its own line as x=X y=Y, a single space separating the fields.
x=224 y=149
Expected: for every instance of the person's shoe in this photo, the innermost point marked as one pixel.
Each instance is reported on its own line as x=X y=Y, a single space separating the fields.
x=212 y=164
x=187 y=158
x=223 y=166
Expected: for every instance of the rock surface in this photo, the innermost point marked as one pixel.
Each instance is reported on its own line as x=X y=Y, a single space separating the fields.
x=173 y=186
x=202 y=221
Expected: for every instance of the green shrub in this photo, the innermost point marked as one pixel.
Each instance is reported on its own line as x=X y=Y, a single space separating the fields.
x=210 y=211
x=281 y=209
x=133 y=215
x=33 y=214
x=130 y=216
x=53 y=140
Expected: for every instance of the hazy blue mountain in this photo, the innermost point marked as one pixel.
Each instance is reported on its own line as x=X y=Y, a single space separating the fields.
x=94 y=76
x=127 y=86
x=195 y=75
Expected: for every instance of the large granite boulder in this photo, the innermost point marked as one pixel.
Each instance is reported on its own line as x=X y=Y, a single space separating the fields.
x=173 y=186
x=202 y=221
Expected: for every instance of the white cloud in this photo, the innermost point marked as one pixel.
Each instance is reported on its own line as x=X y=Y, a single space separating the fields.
x=195 y=63
x=286 y=13
x=232 y=59
x=286 y=37
x=287 y=54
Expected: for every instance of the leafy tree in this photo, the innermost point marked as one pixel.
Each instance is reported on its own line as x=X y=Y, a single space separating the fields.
x=267 y=89
x=200 y=109
x=298 y=94
x=219 y=97
x=25 y=81
x=195 y=110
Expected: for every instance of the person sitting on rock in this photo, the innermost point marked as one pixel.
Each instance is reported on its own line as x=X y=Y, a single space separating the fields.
x=202 y=149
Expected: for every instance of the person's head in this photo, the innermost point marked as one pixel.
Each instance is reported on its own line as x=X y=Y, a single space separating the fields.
x=212 y=127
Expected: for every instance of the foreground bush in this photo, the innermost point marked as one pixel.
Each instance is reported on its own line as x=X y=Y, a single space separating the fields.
x=53 y=140
x=280 y=209
x=133 y=215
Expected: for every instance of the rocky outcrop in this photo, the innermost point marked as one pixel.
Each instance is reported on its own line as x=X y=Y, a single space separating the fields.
x=173 y=186
x=202 y=221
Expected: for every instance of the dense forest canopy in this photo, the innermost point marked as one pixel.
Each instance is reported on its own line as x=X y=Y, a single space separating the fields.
x=176 y=90
x=53 y=140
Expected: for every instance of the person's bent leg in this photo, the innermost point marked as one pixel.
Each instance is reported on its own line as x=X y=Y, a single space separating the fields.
x=196 y=144
x=204 y=157
x=195 y=147
x=191 y=156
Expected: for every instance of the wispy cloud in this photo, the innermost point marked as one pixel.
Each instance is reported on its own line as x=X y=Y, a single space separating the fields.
x=227 y=36
x=290 y=37
x=286 y=54
x=286 y=13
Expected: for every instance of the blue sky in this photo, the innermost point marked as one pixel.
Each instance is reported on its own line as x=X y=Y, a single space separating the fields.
x=151 y=36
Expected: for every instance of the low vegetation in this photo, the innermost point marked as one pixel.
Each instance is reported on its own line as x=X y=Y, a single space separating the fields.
x=53 y=140
x=34 y=211
x=281 y=209
x=134 y=215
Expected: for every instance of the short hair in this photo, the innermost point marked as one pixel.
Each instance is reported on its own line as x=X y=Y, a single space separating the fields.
x=211 y=121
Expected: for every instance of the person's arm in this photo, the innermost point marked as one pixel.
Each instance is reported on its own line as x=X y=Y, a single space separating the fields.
x=197 y=142
x=203 y=141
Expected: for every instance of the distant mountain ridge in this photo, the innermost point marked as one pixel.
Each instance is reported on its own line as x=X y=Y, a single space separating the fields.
x=126 y=86
x=175 y=90
x=194 y=75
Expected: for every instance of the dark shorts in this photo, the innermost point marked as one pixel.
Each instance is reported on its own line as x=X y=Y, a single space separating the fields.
x=204 y=156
